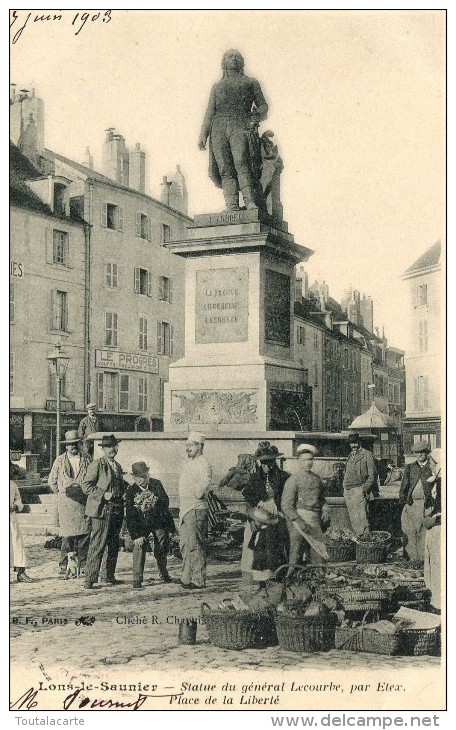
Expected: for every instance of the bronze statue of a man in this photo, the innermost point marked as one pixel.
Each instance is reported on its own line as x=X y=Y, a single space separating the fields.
x=236 y=106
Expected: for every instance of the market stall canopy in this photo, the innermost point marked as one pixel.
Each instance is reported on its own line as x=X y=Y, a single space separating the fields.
x=373 y=418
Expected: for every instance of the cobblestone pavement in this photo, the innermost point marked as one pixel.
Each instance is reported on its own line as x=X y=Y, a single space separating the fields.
x=43 y=628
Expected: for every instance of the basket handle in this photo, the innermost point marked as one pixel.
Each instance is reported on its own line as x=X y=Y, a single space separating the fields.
x=205 y=606
x=281 y=567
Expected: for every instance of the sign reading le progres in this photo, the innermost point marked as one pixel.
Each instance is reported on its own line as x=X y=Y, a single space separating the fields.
x=221 y=305
x=111 y=359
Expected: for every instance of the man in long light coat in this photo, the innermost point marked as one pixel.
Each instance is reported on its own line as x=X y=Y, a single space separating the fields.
x=68 y=469
x=193 y=485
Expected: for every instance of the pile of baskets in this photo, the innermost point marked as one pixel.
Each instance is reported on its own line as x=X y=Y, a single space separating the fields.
x=357 y=600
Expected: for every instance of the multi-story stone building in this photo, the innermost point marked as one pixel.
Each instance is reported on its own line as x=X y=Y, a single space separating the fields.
x=48 y=253
x=119 y=290
x=424 y=352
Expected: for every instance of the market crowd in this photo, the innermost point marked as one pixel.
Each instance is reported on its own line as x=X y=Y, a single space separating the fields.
x=287 y=514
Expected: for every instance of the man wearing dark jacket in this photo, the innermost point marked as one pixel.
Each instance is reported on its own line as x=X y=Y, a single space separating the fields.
x=359 y=479
x=105 y=487
x=415 y=490
x=149 y=522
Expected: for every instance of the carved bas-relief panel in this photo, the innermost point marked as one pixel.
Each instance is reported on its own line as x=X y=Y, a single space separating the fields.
x=221 y=305
x=214 y=406
x=277 y=308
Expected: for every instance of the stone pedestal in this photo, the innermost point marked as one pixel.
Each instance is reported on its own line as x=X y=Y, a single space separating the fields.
x=239 y=296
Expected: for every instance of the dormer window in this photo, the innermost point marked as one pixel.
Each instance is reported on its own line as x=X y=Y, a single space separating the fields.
x=59 y=198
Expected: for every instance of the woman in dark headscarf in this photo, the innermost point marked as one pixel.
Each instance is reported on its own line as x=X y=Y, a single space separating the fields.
x=266 y=536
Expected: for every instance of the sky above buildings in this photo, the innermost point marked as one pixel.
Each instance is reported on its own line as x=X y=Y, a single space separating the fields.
x=356 y=101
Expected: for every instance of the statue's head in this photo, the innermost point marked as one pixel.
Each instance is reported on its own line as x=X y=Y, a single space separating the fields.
x=232 y=61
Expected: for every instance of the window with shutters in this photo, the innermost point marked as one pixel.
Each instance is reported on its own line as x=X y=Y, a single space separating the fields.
x=60 y=248
x=315 y=340
x=52 y=384
x=143 y=333
x=108 y=391
x=165 y=344
x=143 y=404
x=112 y=216
x=166 y=233
x=143 y=226
x=165 y=289
x=421 y=295
x=124 y=393
x=60 y=311
x=143 y=282
x=11 y=300
x=300 y=335
x=11 y=373
x=111 y=329
x=315 y=375
x=423 y=335
x=112 y=275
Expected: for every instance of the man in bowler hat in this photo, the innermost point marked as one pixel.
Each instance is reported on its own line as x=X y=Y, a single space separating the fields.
x=149 y=521
x=359 y=480
x=415 y=491
x=105 y=489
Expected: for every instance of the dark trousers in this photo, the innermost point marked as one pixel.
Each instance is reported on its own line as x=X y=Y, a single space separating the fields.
x=78 y=544
x=160 y=547
x=105 y=532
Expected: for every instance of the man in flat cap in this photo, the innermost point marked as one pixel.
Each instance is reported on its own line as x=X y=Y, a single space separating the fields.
x=89 y=424
x=304 y=506
x=194 y=482
x=68 y=469
x=359 y=479
x=415 y=490
x=105 y=488
x=149 y=521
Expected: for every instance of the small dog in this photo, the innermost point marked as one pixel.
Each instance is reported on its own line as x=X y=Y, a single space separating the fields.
x=72 y=568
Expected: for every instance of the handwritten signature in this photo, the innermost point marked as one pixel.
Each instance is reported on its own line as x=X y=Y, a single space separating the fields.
x=78 y=20
x=76 y=701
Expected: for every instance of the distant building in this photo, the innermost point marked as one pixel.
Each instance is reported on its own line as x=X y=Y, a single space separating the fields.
x=424 y=354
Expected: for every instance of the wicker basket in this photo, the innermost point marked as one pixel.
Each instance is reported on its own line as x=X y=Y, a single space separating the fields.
x=368 y=640
x=239 y=629
x=376 y=552
x=418 y=642
x=356 y=600
x=305 y=634
x=341 y=552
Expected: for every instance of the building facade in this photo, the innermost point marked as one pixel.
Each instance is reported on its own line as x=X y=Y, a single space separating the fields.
x=423 y=356
x=48 y=249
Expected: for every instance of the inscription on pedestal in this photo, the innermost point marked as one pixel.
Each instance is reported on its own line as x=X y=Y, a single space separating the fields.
x=221 y=305
x=214 y=406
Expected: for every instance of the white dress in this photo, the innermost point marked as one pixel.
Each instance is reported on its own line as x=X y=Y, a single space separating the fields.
x=18 y=555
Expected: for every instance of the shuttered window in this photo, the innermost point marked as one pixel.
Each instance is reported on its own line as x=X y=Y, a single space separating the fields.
x=111 y=329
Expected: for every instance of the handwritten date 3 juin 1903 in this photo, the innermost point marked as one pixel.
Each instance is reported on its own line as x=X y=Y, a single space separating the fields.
x=20 y=20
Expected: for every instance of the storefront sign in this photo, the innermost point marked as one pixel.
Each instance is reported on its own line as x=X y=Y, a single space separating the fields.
x=65 y=405
x=114 y=360
x=17 y=269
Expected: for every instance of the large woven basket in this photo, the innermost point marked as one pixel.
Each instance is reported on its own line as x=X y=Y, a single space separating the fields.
x=239 y=629
x=374 y=552
x=418 y=642
x=341 y=552
x=301 y=633
x=367 y=640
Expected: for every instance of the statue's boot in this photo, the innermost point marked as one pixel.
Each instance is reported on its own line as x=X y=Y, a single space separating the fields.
x=249 y=198
x=231 y=195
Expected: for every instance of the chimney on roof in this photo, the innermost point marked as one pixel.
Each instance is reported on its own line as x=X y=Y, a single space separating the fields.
x=115 y=157
x=165 y=186
x=178 y=195
x=27 y=122
x=88 y=158
x=138 y=169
